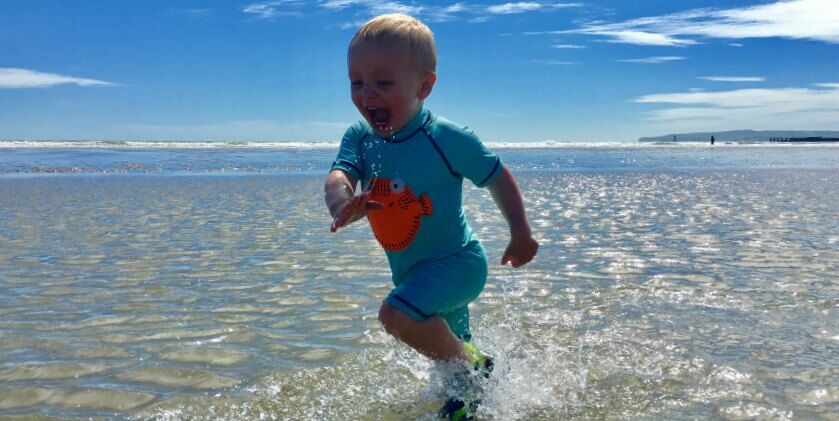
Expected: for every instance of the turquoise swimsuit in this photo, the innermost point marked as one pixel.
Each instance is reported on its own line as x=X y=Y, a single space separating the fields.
x=437 y=262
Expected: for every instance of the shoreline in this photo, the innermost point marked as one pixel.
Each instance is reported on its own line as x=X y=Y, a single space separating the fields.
x=314 y=146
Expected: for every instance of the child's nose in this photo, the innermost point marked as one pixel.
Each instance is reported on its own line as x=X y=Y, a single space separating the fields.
x=368 y=92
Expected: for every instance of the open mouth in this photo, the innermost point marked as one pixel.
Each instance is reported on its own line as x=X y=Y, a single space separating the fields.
x=379 y=118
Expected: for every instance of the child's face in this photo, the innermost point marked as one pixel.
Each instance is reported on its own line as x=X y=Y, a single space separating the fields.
x=386 y=88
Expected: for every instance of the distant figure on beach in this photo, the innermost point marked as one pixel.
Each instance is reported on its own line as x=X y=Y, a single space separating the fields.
x=411 y=164
x=712 y=139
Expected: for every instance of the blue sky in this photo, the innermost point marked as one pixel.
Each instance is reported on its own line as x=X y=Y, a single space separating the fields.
x=512 y=71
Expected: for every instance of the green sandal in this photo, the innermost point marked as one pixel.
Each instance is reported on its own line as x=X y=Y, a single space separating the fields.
x=459 y=408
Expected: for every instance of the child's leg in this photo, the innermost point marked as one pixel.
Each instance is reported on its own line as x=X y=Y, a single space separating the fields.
x=427 y=308
x=431 y=337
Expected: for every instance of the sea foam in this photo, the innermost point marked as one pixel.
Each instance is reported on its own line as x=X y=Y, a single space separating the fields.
x=320 y=145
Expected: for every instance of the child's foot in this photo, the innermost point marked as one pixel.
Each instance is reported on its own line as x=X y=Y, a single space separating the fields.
x=467 y=387
x=456 y=409
x=482 y=363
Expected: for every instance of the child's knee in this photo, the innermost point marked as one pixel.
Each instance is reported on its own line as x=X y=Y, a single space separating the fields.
x=396 y=321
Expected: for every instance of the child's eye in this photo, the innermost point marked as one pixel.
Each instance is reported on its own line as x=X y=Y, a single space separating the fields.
x=385 y=83
x=355 y=83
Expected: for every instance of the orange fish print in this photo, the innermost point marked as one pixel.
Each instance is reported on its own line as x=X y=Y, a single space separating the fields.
x=397 y=224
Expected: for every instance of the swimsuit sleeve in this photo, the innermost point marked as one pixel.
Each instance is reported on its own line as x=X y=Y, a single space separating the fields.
x=349 y=155
x=472 y=159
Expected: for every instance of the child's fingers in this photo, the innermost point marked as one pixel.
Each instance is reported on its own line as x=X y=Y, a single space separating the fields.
x=371 y=205
x=523 y=260
x=337 y=223
x=358 y=205
x=519 y=254
x=343 y=216
x=516 y=257
x=341 y=219
x=362 y=204
x=367 y=204
x=505 y=258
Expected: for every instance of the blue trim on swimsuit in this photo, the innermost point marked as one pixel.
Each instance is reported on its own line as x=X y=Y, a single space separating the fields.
x=411 y=306
x=442 y=155
x=497 y=163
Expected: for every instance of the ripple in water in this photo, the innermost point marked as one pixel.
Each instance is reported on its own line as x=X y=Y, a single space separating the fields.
x=655 y=295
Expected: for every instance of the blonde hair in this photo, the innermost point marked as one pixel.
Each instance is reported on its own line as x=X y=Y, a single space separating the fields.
x=402 y=31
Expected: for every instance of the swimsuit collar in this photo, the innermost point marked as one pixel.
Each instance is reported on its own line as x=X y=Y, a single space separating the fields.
x=416 y=124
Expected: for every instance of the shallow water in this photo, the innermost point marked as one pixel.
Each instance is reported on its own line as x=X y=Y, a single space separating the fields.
x=706 y=289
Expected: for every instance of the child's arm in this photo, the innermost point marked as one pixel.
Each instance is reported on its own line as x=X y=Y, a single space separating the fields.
x=344 y=206
x=507 y=196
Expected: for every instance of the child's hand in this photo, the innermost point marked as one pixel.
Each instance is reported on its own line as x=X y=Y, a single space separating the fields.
x=355 y=209
x=520 y=251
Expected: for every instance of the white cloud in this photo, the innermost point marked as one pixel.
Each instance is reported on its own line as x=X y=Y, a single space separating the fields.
x=354 y=25
x=482 y=13
x=449 y=12
x=457 y=7
x=269 y=10
x=626 y=36
x=511 y=8
x=545 y=32
x=569 y=46
x=768 y=108
x=653 y=60
x=736 y=44
x=801 y=19
x=733 y=78
x=797 y=19
x=340 y=4
x=379 y=8
x=526 y=6
x=472 y=13
x=11 y=78
x=645 y=38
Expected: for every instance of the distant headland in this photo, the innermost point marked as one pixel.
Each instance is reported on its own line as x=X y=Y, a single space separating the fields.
x=750 y=136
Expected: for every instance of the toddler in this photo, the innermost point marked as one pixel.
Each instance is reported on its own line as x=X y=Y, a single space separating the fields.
x=411 y=164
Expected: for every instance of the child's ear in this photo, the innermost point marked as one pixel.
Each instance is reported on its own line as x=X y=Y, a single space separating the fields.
x=427 y=85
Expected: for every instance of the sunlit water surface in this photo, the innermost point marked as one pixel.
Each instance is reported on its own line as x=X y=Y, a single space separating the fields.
x=658 y=292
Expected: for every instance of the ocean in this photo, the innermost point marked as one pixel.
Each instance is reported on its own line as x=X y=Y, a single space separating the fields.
x=154 y=280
